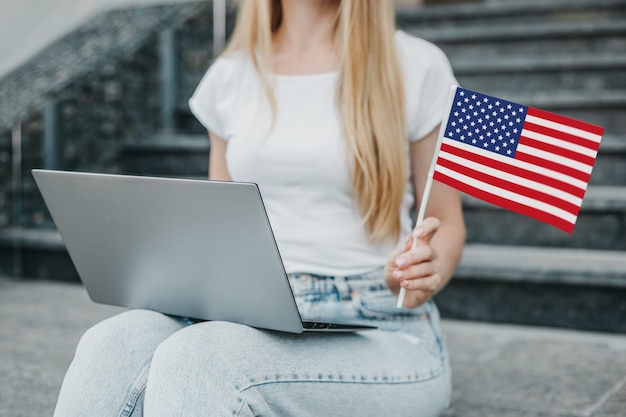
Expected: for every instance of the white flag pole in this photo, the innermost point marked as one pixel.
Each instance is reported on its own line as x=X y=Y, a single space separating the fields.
x=429 y=180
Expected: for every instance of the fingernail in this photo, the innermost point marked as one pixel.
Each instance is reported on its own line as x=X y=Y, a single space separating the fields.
x=401 y=261
x=418 y=232
x=398 y=274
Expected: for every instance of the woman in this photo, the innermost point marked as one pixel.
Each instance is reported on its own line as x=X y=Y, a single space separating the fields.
x=335 y=115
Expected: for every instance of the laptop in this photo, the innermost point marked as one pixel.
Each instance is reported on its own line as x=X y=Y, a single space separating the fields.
x=192 y=248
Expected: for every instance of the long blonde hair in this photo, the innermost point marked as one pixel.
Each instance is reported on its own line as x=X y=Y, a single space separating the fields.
x=370 y=98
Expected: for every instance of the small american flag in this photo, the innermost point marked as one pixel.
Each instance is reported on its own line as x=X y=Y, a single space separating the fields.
x=520 y=158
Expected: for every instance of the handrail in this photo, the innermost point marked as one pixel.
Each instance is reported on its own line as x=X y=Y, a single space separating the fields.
x=16 y=162
x=219 y=26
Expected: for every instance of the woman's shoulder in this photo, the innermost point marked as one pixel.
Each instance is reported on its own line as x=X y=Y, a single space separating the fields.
x=230 y=63
x=419 y=52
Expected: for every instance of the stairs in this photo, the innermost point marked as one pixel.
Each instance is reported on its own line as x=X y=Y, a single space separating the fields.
x=565 y=56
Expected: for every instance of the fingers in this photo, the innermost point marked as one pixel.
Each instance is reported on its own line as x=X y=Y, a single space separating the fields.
x=428 y=284
x=426 y=229
x=414 y=265
x=423 y=253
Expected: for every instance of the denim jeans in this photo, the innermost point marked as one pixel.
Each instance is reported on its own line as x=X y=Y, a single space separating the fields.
x=143 y=363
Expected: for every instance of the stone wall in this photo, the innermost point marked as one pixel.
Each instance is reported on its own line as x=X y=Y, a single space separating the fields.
x=117 y=101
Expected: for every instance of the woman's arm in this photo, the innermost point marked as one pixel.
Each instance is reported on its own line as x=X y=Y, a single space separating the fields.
x=217 y=159
x=426 y=269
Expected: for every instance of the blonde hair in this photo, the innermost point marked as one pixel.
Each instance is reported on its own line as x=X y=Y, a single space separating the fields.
x=370 y=98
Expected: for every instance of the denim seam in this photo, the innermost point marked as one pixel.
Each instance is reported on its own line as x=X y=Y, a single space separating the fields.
x=359 y=380
x=138 y=387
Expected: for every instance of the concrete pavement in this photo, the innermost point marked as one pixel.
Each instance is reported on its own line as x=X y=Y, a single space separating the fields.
x=499 y=370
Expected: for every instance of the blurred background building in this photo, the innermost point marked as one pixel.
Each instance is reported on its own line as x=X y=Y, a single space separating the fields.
x=102 y=86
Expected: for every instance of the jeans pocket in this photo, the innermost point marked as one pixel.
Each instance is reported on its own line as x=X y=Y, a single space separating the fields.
x=381 y=306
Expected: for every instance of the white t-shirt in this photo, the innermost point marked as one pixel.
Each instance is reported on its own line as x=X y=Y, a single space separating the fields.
x=301 y=165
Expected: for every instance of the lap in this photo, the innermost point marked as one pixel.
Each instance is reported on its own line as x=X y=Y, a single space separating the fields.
x=390 y=371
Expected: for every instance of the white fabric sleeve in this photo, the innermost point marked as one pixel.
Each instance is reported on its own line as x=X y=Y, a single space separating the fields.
x=204 y=101
x=429 y=91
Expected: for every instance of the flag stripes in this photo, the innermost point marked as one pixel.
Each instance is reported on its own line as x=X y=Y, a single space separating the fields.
x=520 y=158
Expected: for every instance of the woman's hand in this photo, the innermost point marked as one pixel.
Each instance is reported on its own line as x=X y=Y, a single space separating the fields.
x=416 y=269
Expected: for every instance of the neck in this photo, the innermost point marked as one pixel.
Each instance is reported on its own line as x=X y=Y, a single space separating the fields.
x=307 y=28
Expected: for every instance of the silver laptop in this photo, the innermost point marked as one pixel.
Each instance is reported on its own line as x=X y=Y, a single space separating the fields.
x=192 y=248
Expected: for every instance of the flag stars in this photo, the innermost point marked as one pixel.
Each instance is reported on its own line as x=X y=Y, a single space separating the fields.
x=486 y=122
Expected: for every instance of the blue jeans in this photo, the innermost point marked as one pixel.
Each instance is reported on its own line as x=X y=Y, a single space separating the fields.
x=143 y=363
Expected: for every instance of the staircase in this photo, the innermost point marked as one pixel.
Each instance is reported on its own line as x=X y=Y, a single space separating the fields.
x=568 y=57
x=563 y=56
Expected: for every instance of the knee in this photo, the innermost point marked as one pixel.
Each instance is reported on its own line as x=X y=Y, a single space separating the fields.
x=208 y=344
x=123 y=331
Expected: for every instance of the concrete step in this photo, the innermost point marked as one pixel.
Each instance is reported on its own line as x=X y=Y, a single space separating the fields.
x=604 y=108
x=610 y=167
x=583 y=289
x=601 y=224
x=498 y=12
x=35 y=253
x=587 y=72
x=494 y=41
x=166 y=155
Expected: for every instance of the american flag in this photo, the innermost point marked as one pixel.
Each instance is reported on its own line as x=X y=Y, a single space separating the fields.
x=517 y=157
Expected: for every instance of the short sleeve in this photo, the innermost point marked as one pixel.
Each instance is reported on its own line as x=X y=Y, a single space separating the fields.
x=428 y=77
x=204 y=103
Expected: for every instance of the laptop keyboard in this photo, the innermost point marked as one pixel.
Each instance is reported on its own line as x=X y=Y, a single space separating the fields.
x=314 y=325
